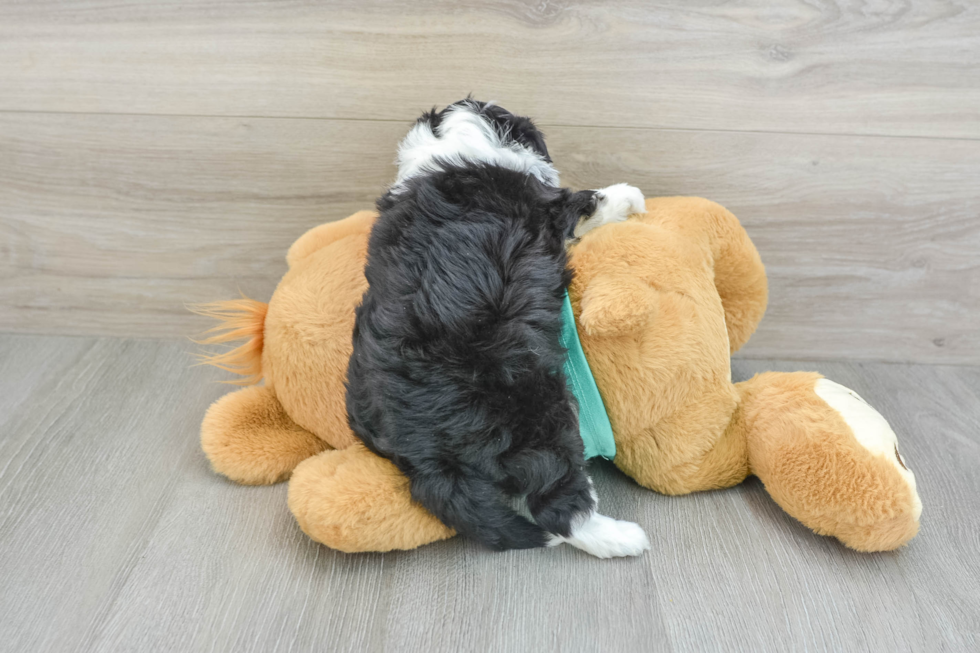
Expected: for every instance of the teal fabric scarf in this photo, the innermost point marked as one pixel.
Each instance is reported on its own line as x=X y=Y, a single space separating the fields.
x=594 y=426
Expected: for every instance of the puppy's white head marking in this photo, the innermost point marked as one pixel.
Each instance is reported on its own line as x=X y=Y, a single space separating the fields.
x=464 y=135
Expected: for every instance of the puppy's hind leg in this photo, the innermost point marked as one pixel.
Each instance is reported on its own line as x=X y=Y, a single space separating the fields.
x=476 y=508
x=605 y=537
x=569 y=513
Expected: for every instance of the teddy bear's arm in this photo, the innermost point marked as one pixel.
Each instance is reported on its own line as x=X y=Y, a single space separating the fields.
x=321 y=236
x=615 y=304
x=740 y=276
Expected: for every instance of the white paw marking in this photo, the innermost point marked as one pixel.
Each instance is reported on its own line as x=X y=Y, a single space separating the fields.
x=616 y=203
x=605 y=537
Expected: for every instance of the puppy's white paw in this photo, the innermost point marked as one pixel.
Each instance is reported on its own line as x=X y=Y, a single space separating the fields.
x=613 y=204
x=605 y=537
x=619 y=201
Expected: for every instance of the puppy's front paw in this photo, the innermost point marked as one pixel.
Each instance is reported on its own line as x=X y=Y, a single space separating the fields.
x=619 y=201
x=613 y=204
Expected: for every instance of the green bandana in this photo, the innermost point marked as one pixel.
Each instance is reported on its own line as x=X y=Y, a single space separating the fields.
x=593 y=422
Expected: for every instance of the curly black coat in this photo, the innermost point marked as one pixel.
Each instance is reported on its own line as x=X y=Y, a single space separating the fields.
x=456 y=374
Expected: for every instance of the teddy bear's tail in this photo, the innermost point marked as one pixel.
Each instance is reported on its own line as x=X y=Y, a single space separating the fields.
x=240 y=319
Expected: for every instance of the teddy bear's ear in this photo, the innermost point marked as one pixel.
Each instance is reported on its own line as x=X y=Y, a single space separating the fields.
x=616 y=304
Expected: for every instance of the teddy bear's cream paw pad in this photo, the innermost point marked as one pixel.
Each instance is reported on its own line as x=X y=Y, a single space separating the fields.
x=870 y=429
x=605 y=537
x=614 y=204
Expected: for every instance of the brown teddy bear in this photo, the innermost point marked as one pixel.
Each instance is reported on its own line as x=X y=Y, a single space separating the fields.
x=660 y=301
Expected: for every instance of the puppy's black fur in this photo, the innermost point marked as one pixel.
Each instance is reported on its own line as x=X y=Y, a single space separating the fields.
x=456 y=374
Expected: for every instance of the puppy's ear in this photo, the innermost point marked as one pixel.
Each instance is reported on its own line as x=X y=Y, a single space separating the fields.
x=617 y=304
x=578 y=207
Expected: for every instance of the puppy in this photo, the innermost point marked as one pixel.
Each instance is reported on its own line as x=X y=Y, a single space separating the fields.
x=456 y=374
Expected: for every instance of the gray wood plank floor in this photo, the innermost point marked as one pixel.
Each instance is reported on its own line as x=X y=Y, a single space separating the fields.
x=115 y=536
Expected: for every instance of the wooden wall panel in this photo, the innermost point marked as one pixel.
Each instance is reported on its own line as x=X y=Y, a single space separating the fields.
x=109 y=224
x=833 y=66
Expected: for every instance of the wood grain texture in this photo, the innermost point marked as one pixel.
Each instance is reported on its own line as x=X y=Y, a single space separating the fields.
x=87 y=462
x=872 y=245
x=114 y=535
x=109 y=225
x=790 y=65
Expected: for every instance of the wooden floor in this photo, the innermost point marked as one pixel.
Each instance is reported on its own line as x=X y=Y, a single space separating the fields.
x=115 y=536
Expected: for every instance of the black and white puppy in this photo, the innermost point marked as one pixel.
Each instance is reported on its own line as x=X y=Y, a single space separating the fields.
x=456 y=374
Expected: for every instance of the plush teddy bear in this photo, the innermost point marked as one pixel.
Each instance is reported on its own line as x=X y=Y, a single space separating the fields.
x=660 y=301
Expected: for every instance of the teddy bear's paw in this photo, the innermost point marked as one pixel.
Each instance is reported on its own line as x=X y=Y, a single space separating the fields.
x=248 y=437
x=605 y=537
x=871 y=431
x=613 y=204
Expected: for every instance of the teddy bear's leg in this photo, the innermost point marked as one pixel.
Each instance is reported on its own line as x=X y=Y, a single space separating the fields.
x=249 y=438
x=352 y=500
x=829 y=459
x=693 y=449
